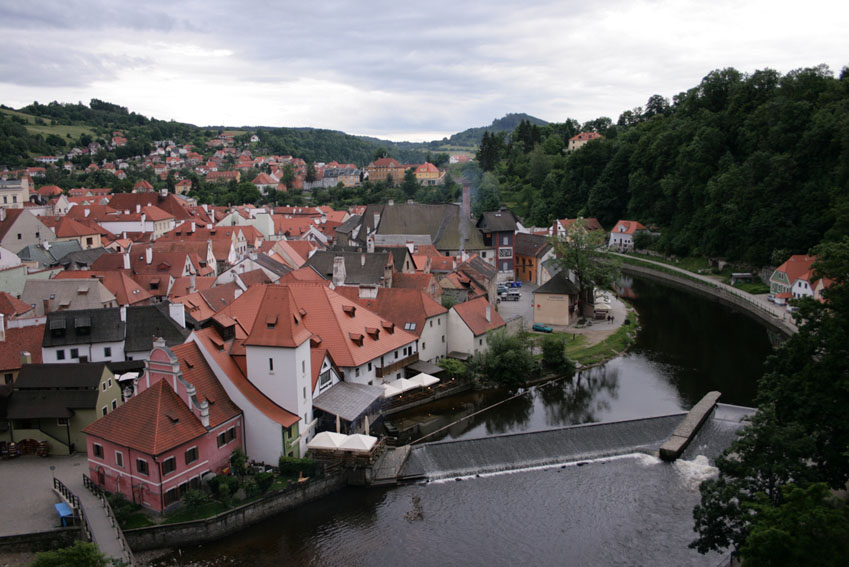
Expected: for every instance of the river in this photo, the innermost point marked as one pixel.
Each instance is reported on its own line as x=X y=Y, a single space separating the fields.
x=631 y=510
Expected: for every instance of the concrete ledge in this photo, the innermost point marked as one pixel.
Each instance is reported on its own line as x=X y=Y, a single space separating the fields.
x=687 y=429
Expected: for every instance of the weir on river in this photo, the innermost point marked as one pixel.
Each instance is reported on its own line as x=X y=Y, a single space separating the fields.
x=524 y=450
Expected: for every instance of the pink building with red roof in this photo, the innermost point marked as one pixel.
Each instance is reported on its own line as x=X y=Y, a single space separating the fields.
x=179 y=425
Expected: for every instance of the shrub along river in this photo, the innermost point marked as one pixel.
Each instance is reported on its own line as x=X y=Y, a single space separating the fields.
x=631 y=510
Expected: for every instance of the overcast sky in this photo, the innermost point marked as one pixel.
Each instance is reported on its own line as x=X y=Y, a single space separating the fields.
x=398 y=70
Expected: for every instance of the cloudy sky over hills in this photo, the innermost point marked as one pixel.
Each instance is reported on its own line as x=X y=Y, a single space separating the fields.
x=394 y=69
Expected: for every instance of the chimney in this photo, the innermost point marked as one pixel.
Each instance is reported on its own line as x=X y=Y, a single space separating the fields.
x=488 y=313
x=148 y=254
x=193 y=226
x=338 y=270
x=376 y=220
x=177 y=311
x=192 y=284
x=204 y=413
x=126 y=258
x=2 y=214
x=411 y=247
x=26 y=357
x=2 y=328
x=466 y=207
x=86 y=212
x=46 y=303
x=362 y=259
x=453 y=263
x=138 y=208
x=123 y=312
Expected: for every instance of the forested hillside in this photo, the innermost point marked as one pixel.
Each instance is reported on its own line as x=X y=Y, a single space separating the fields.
x=748 y=167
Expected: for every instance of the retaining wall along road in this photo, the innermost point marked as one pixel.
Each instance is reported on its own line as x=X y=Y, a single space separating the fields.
x=736 y=298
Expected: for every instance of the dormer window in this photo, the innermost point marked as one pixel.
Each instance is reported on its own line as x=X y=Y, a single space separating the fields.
x=271 y=321
x=349 y=310
x=357 y=338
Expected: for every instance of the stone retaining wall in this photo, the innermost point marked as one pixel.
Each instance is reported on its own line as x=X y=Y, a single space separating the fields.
x=198 y=531
x=40 y=541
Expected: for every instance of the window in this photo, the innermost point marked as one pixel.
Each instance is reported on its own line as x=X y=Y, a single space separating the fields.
x=303 y=366
x=7 y=378
x=221 y=439
x=104 y=410
x=305 y=392
x=103 y=386
x=443 y=338
x=324 y=379
x=271 y=365
x=119 y=459
x=60 y=354
x=75 y=353
x=191 y=455
x=62 y=421
x=431 y=323
x=505 y=240
x=98 y=450
x=231 y=434
x=424 y=346
x=109 y=382
x=356 y=371
x=107 y=351
x=114 y=404
x=396 y=355
x=171 y=496
x=169 y=465
x=369 y=366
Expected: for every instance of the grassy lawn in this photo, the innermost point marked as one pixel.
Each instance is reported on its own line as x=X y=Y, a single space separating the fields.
x=578 y=351
x=754 y=288
x=205 y=510
x=44 y=129
x=137 y=520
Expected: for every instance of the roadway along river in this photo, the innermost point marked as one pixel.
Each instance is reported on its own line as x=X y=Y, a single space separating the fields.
x=627 y=511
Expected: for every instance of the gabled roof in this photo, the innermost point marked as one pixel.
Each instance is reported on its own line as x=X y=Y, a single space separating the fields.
x=796 y=266
x=627 y=227
x=66 y=294
x=498 y=221
x=531 y=245
x=153 y=422
x=197 y=372
x=148 y=321
x=12 y=216
x=473 y=314
x=559 y=284
x=83 y=326
x=50 y=256
x=401 y=306
x=69 y=228
x=441 y=222
x=127 y=291
x=10 y=306
x=360 y=267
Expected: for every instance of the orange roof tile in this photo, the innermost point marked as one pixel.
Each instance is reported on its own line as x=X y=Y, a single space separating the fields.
x=473 y=313
x=21 y=339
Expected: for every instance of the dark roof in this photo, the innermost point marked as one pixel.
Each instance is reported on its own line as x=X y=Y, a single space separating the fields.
x=478 y=269
x=559 y=284
x=447 y=228
x=36 y=404
x=272 y=265
x=125 y=366
x=349 y=225
x=50 y=257
x=531 y=244
x=83 y=326
x=82 y=257
x=60 y=376
x=399 y=254
x=497 y=221
x=360 y=267
x=148 y=321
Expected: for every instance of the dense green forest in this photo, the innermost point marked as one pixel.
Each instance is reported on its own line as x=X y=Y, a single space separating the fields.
x=751 y=167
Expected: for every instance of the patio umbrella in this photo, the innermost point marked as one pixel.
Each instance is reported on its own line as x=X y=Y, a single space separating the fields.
x=327 y=440
x=422 y=380
x=390 y=390
x=358 y=443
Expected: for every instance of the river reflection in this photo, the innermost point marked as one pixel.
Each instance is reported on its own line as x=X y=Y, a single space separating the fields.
x=687 y=346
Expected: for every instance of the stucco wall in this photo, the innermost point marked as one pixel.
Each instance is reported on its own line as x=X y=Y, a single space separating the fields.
x=551 y=309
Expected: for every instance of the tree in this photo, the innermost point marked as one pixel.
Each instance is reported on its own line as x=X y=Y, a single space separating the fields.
x=580 y=253
x=508 y=360
x=554 y=355
x=488 y=197
x=798 y=436
x=81 y=554
x=410 y=184
x=288 y=178
x=380 y=153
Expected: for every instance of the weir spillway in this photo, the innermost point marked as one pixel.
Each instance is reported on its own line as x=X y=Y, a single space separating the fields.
x=445 y=459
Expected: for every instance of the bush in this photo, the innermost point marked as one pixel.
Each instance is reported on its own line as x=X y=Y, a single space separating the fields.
x=454 y=368
x=263 y=481
x=238 y=461
x=553 y=352
x=508 y=360
x=195 y=499
x=81 y=554
x=291 y=466
x=224 y=486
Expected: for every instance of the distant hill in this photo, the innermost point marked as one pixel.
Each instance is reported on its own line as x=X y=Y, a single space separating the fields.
x=472 y=136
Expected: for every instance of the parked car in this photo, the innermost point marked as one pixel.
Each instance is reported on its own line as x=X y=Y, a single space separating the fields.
x=512 y=296
x=501 y=289
x=539 y=327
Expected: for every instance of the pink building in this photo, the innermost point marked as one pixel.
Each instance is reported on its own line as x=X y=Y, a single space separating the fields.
x=179 y=425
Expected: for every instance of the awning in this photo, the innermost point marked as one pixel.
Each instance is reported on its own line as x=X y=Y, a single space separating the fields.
x=348 y=401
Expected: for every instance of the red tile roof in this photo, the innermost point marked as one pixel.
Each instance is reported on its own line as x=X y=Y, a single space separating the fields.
x=283 y=324
x=796 y=266
x=11 y=306
x=401 y=306
x=197 y=372
x=21 y=339
x=473 y=313
x=630 y=227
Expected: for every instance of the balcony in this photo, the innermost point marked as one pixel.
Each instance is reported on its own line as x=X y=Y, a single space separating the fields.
x=390 y=369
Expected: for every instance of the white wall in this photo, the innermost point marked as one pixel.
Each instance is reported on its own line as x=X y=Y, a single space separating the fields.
x=433 y=342
x=94 y=353
x=460 y=337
